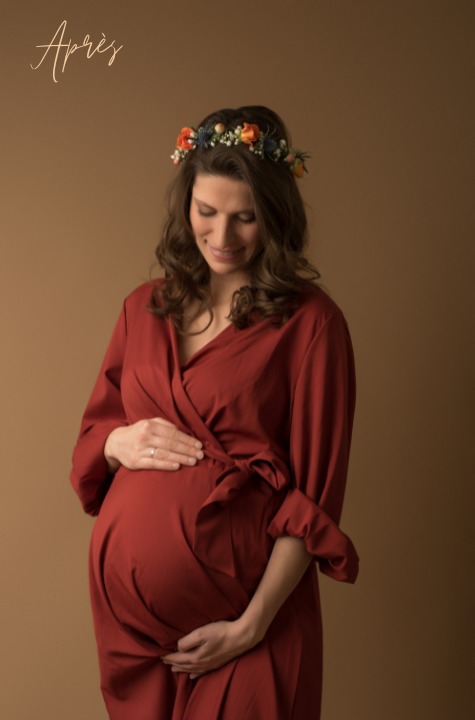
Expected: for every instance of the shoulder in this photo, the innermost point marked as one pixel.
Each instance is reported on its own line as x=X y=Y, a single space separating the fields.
x=316 y=329
x=140 y=297
x=322 y=332
x=317 y=309
x=136 y=307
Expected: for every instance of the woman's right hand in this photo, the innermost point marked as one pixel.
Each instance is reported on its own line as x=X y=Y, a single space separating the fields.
x=153 y=444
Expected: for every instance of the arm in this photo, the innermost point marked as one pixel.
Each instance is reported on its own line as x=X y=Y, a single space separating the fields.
x=108 y=440
x=287 y=564
x=322 y=418
x=305 y=526
x=91 y=476
x=210 y=646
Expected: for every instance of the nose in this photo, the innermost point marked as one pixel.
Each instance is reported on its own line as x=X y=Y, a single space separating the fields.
x=223 y=236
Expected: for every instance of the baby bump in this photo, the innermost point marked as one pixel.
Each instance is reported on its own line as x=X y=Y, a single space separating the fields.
x=143 y=540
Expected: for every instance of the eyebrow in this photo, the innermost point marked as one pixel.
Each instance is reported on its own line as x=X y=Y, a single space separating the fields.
x=249 y=211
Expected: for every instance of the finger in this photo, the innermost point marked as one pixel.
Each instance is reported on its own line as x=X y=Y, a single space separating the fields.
x=192 y=641
x=169 y=430
x=193 y=676
x=171 y=446
x=148 y=463
x=162 y=459
x=180 y=659
x=189 y=669
x=151 y=464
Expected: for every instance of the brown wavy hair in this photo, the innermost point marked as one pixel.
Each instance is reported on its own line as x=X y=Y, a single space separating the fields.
x=279 y=273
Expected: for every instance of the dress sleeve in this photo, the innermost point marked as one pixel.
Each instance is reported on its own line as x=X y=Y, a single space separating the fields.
x=104 y=412
x=321 y=424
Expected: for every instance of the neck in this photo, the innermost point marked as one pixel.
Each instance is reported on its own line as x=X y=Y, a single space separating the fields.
x=222 y=288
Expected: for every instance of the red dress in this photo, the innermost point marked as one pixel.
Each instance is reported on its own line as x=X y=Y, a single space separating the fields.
x=172 y=551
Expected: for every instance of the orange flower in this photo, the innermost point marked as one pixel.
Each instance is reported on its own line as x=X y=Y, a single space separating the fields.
x=250 y=133
x=298 y=168
x=183 y=139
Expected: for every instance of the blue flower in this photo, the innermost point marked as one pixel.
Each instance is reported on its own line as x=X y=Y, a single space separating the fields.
x=269 y=146
x=203 y=136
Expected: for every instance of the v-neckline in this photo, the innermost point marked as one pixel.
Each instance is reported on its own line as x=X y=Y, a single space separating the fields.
x=176 y=345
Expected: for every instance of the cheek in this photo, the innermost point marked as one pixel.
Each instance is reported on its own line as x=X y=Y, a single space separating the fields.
x=253 y=241
x=197 y=224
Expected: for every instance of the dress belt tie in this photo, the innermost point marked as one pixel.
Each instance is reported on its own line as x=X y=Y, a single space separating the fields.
x=212 y=540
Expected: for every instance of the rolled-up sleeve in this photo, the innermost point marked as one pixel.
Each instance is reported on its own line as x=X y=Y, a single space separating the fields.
x=321 y=425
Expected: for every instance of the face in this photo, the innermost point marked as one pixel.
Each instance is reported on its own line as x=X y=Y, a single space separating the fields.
x=223 y=220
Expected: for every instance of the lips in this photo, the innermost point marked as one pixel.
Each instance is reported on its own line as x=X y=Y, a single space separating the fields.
x=225 y=255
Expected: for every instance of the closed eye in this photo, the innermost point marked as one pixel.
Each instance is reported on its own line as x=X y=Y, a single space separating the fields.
x=248 y=219
x=206 y=213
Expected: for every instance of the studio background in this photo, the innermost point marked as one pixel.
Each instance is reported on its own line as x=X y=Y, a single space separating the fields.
x=381 y=95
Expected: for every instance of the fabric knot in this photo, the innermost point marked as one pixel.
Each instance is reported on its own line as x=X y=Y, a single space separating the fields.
x=230 y=478
x=244 y=467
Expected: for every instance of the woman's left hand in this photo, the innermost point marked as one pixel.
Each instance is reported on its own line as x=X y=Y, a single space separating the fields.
x=210 y=646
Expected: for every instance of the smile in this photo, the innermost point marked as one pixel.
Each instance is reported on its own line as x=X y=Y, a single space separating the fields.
x=224 y=254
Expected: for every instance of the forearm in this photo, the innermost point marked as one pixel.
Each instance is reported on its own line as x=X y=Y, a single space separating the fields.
x=110 y=451
x=210 y=646
x=287 y=564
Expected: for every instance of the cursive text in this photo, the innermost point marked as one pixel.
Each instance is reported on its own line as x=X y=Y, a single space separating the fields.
x=58 y=43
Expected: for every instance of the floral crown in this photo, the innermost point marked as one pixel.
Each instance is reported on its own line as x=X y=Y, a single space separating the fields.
x=264 y=145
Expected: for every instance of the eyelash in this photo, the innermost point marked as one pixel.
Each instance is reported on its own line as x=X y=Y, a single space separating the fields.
x=246 y=221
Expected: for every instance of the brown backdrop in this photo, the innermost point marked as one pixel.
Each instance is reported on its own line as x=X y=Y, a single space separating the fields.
x=380 y=94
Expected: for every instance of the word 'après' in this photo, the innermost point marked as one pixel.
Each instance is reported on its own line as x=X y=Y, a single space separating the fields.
x=58 y=43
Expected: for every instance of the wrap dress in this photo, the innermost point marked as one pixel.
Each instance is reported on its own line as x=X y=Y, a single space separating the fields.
x=172 y=551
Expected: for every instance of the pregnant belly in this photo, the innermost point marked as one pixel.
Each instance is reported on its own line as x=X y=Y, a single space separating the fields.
x=142 y=551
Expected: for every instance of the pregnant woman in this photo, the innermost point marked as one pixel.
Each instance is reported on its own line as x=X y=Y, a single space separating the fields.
x=214 y=447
